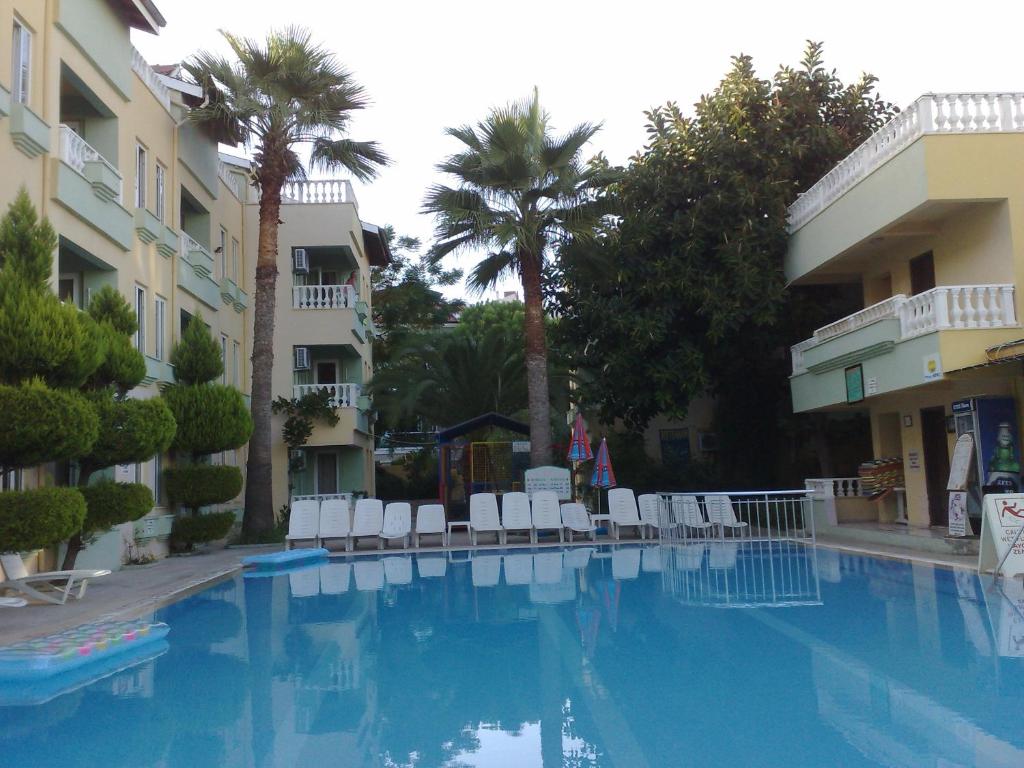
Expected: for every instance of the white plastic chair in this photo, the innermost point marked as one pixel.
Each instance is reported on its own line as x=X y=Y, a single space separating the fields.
x=397 y=523
x=625 y=563
x=649 y=504
x=686 y=512
x=398 y=570
x=518 y=568
x=48 y=587
x=303 y=523
x=334 y=578
x=577 y=557
x=483 y=517
x=430 y=519
x=515 y=515
x=623 y=512
x=432 y=566
x=547 y=567
x=13 y=602
x=546 y=514
x=722 y=515
x=304 y=583
x=576 y=520
x=369 y=574
x=369 y=519
x=335 y=522
x=485 y=570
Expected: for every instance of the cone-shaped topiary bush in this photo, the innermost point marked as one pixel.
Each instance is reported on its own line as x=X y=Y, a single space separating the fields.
x=39 y=518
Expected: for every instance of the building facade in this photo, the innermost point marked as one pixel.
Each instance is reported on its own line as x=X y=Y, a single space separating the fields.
x=142 y=199
x=927 y=216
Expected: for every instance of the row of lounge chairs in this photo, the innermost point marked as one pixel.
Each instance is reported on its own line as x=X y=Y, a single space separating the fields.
x=330 y=520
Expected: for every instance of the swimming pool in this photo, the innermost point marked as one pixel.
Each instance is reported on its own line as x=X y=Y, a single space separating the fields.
x=719 y=655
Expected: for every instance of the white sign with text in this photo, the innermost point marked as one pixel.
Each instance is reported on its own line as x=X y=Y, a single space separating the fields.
x=1002 y=539
x=549 y=479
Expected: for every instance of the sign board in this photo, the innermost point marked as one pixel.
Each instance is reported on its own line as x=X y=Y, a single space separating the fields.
x=854 y=384
x=872 y=385
x=549 y=479
x=914 y=459
x=520 y=446
x=959 y=523
x=932 y=367
x=1002 y=534
x=960 y=466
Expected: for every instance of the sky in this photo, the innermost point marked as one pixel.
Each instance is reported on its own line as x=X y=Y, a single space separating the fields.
x=426 y=66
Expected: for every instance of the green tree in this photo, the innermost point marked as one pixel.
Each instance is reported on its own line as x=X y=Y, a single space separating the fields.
x=277 y=96
x=686 y=293
x=518 y=190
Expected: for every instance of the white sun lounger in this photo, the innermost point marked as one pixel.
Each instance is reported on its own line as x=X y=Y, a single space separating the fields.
x=485 y=570
x=515 y=515
x=431 y=566
x=303 y=523
x=483 y=517
x=13 y=602
x=649 y=505
x=722 y=515
x=397 y=523
x=398 y=570
x=430 y=519
x=368 y=521
x=546 y=514
x=623 y=512
x=334 y=578
x=369 y=574
x=625 y=563
x=50 y=587
x=576 y=520
x=335 y=522
x=686 y=512
x=304 y=583
x=547 y=567
x=577 y=557
x=518 y=568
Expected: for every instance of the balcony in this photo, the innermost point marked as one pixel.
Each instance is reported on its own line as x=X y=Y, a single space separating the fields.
x=232 y=295
x=194 y=272
x=342 y=395
x=324 y=297
x=324 y=192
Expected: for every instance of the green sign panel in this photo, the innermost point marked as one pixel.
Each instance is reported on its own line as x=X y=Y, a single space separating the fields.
x=854 y=384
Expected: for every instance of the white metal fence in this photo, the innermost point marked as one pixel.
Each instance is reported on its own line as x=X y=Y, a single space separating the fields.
x=685 y=518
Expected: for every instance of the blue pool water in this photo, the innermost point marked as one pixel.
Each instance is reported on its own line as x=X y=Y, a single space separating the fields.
x=640 y=656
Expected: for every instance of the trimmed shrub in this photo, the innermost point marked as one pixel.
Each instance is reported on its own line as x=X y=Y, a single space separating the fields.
x=196 y=358
x=109 y=504
x=130 y=431
x=108 y=305
x=123 y=367
x=39 y=518
x=210 y=417
x=199 y=529
x=199 y=485
x=43 y=424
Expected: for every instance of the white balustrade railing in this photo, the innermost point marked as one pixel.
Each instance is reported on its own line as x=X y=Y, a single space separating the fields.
x=947 y=307
x=933 y=113
x=342 y=395
x=189 y=245
x=318 y=192
x=76 y=152
x=231 y=180
x=323 y=297
x=883 y=310
x=152 y=80
x=834 y=487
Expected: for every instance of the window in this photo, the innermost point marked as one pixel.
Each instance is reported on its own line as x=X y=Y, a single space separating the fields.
x=11 y=480
x=234 y=259
x=223 y=251
x=69 y=288
x=140 y=316
x=224 y=359
x=184 y=319
x=140 y=176
x=675 y=447
x=235 y=354
x=922 y=273
x=21 y=63
x=161 y=196
x=158 y=480
x=159 y=326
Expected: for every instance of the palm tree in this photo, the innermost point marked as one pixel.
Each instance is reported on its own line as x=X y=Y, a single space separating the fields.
x=519 y=190
x=278 y=96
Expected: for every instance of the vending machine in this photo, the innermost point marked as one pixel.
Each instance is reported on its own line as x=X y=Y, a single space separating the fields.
x=992 y=422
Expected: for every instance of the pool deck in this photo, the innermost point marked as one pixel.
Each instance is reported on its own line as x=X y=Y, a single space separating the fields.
x=136 y=591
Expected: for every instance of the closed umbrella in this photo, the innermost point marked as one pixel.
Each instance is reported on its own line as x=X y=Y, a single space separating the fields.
x=604 y=475
x=579 y=451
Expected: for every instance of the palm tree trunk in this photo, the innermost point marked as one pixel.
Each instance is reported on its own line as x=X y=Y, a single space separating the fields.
x=538 y=395
x=259 y=492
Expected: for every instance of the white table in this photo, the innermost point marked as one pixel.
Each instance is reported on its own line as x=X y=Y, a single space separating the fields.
x=453 y=524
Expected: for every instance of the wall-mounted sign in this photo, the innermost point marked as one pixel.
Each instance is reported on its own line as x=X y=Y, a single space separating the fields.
x=854 y=384
x=871 y=386
x=959 y=523
x=914 y=459
x=932 y=367
x=520 y=446
x=549 y=479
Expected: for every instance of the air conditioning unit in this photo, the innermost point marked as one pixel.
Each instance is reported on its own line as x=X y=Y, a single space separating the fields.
x=300 y=259
x=297 y=459
x=302 y=358
x=707 y=442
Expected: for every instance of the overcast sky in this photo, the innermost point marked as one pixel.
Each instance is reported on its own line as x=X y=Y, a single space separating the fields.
x=442 y=63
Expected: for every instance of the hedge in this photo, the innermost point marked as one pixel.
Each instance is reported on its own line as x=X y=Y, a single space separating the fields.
x=198 y=529
x=198 y=485
x=211 y=418
x=42 y=424
x=39 y=518
x=109 y=504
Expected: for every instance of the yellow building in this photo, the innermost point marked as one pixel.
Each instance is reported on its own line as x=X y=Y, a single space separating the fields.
x=927 y=216
x=143 y=200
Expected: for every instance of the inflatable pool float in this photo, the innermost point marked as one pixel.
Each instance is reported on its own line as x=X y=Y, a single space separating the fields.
x=285 y=558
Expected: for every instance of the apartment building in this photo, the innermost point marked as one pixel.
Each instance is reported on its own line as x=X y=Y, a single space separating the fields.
x=927 y=216
x=142 y=199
